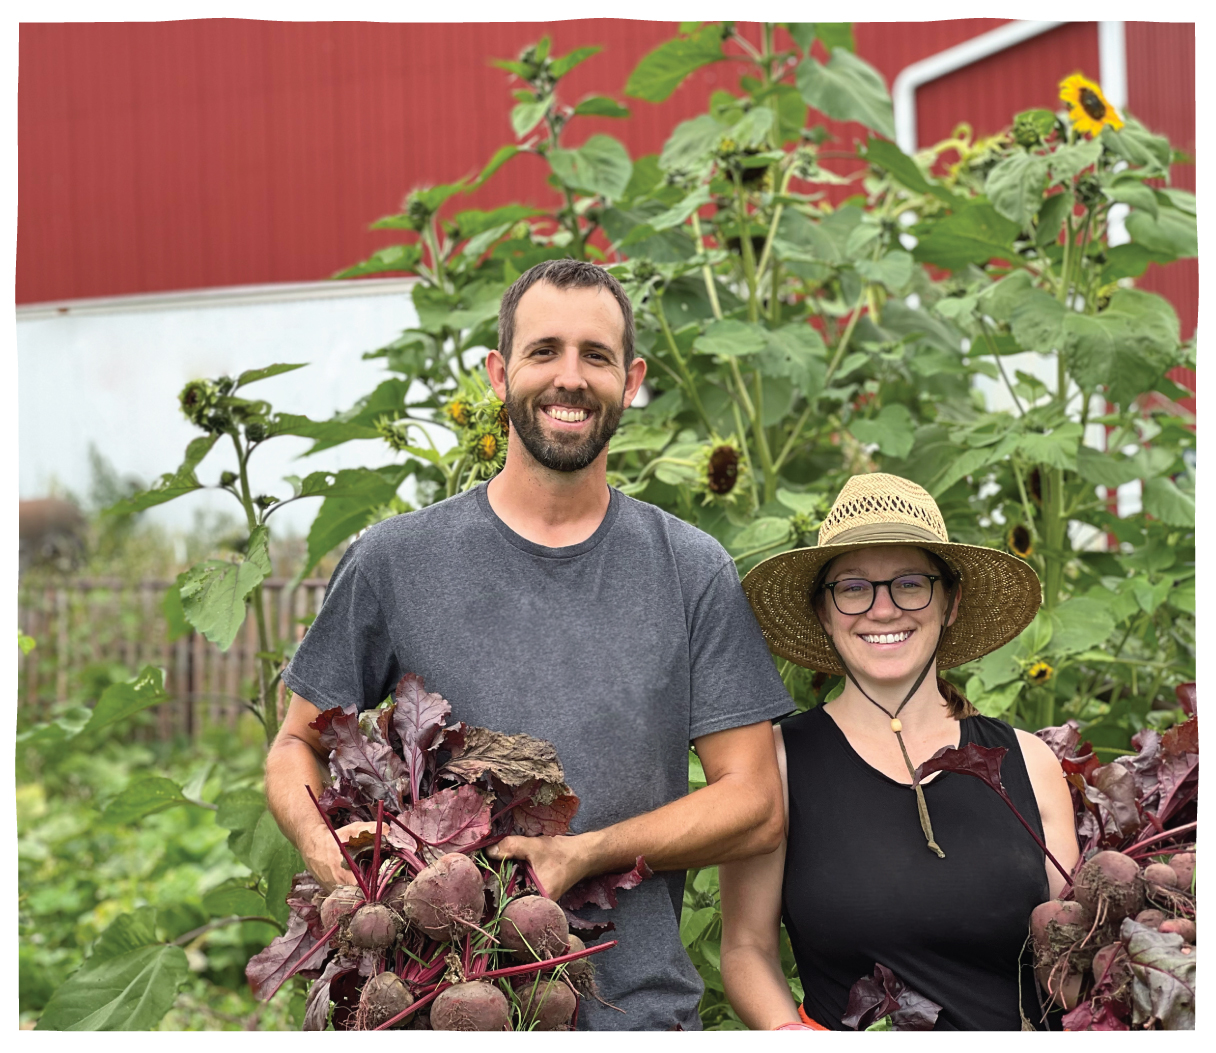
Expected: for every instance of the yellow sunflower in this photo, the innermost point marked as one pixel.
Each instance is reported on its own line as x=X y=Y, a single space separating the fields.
x=1088 y=109
x=1039 y=673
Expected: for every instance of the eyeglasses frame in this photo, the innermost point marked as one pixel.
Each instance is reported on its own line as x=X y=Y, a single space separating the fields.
x=830 y=586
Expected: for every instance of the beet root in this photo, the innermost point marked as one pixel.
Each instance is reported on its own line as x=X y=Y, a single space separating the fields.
x=1111 y=886
x=445 y=896
x=340 y=903
x=383 y=997
x=581 y=972
x=473 y=1006
x=534 y=927
x=545 y=1004
x=1151 y=918
x=1160 y=875
x=1057 y=927
x=1184 y=927
x=1065 y=992
x=1183 y=865
x=374 y=927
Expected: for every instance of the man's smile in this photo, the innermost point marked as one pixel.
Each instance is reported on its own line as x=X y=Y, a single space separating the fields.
x=567 y=414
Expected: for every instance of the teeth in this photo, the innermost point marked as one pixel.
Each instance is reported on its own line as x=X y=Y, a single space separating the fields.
x=887 y=637
x=572 y=416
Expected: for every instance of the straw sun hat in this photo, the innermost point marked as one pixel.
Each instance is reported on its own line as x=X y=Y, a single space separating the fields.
x=1000 y=593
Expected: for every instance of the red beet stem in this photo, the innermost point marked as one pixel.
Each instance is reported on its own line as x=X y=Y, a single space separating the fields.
x=1038 y=841
x=534 y=879
x=296 y=968
x=1162 y=836
x=405 y=853
x=547 y=963
x=341 y=847
x=376 y=850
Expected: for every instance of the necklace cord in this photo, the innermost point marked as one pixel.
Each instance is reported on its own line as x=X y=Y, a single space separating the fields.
x=922 y=809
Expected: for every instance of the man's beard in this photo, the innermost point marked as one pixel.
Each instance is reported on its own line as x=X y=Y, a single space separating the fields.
x=565 y=453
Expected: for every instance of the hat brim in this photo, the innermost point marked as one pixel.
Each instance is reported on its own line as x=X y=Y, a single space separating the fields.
x=1001 y=595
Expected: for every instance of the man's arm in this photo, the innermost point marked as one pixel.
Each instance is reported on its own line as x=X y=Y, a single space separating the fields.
x=294 y=762
x=737 y=815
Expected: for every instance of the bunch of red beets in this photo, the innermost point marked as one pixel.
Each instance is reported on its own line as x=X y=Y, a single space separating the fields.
x=432 y=935
x=1117 y=949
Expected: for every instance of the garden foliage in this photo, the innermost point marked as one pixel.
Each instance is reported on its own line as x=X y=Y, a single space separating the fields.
x=803 y=322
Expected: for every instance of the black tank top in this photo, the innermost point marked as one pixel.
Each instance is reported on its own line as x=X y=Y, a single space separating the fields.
x=861 y=886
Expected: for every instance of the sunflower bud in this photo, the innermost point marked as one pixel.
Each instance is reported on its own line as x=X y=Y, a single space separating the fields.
x=1025 y=134
x=265 y=500
x=1089 y=191
x=255 y=431
x=227 y=478
x=198 y=398
x=804 y=528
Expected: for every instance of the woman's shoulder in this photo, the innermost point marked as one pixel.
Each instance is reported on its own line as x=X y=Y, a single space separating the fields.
x=990 y=731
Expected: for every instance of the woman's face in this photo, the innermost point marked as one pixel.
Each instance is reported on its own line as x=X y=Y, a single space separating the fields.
x=885 y=643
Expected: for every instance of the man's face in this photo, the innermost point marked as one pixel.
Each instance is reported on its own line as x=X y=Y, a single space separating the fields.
x=565 y=385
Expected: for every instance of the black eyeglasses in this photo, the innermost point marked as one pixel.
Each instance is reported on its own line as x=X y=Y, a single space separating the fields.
x=909 y=592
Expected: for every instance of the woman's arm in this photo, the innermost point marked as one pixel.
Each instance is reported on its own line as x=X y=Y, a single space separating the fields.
x=1052 y=794
x=751 y=919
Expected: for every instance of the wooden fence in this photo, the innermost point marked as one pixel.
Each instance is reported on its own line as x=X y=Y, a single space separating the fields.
x=86 y=627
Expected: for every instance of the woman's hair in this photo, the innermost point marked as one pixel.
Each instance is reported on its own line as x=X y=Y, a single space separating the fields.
x=956 y=702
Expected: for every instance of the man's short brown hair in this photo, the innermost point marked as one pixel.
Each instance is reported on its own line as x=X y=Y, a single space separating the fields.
x=562 y=274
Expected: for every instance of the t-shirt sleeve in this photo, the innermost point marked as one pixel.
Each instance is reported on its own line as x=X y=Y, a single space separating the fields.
x=347 y=655
x=734 y=679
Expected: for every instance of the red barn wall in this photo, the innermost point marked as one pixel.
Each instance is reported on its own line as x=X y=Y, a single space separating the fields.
x=200 y=153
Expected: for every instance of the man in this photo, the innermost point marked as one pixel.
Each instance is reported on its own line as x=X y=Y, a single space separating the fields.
x=547 y=603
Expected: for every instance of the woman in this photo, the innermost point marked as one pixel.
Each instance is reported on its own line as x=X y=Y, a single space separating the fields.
x=935 y=884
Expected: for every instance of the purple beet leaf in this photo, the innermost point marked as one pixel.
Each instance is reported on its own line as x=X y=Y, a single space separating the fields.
x=885 y=994
x=545 y=820
x=1185 y=693
x=304 y=898
x=593 y=929
x=870 y=1000
x=285 y=954
x=1163 y=977
x=1063 y=740
x=316 y=1007
x=448 y=821
x=1097 y=1015
x=418 y=718
x=602 y=890
x=372 y=768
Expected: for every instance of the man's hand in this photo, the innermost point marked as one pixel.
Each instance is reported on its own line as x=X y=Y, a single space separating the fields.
x=323 y=858
x=558 y=862
x=739 y=814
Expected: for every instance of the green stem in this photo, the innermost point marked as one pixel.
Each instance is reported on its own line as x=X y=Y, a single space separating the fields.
x=711 y=286
x=1055 y=527
x=266 y=702
x=793 y=437
x=1001 y=367
x=846 y=336
x=689 y=384
x=747 y=252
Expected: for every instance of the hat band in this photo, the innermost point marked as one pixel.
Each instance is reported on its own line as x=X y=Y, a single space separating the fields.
x=893 y=533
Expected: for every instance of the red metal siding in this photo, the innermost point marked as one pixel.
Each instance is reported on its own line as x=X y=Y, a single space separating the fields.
x=188 y=154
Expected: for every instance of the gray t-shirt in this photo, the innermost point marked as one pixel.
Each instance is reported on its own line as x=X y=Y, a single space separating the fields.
x=618 y=650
